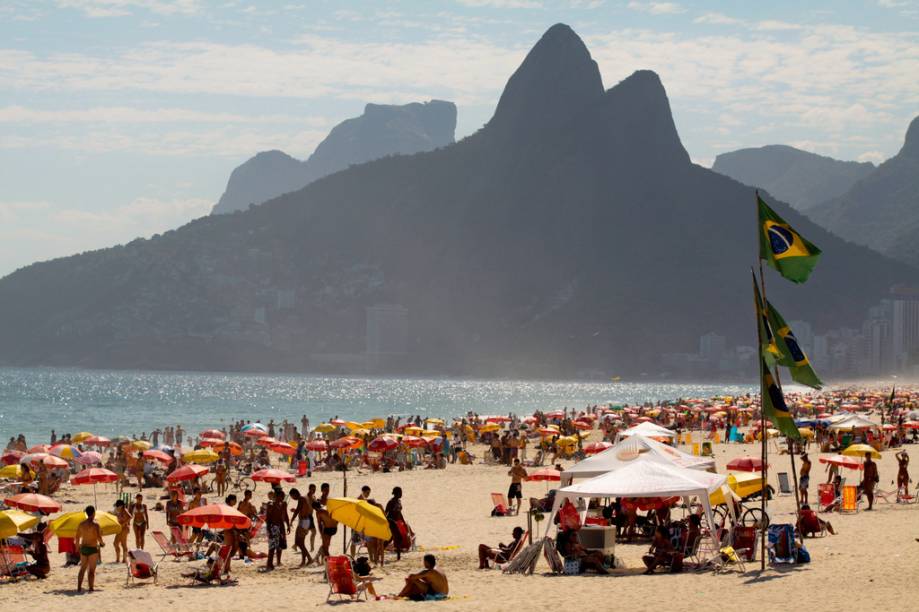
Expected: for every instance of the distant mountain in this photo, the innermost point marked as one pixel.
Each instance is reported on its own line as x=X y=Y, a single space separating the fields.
x=571 y=233
x=382 y=130
x=800 y=178
x=881 y=210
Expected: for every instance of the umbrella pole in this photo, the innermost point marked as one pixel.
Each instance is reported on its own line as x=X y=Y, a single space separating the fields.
x=344 y=529
x=95 y=499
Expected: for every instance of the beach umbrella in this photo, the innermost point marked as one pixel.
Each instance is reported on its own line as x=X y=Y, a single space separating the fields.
x=11 y=472
x=548 y=431
x=94 y=476
x=89 y=458
x=746 y=464
x=430 y=433
x=11 y=457
x=235 y=449
x=382 y=444
x=488 y=428
x=97 y=441
x=497 y=419
x=351 y=425
x=81 y=437
x=347 y=442
x=187 y=472
x=413 y=441
x=141 y=445
x=283 y=448
x=859 y=450
x=324 y=428
x=317 y=445
x=204 y=455
x=251 y=426
x=547 y=474
x=40 y=448
x=213 y=433
x=215 y=516
x=66 y=451
x=33 y=502
x=361 y=516
x=255 y=433
x=273 y=476
x=119 y=440
x=434 y=421
x=596 y=447
x=338 y=422
x=158 y=455
x=853 y=463
x=15 y=521
x=65 y=526
x=266 y=441
x=414 y=430
x=211 y=442
x=584 y=426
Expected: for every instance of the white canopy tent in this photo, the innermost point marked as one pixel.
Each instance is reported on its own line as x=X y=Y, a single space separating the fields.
x=646 y=478
x=852 y=421
x=647 y=429
x=627 y=452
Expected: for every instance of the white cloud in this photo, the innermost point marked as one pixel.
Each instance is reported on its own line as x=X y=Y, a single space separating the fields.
x=502 y=4
x=121 y=114
x=120 y=8
x=871 y=156
x=773 y=25
x=657 y=8
x=716 y=19
x=10 y=211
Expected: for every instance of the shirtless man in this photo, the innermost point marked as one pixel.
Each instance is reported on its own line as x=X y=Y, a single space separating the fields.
x=302 y=516
x=140 y=520
x=310 y=499
x=329 y=527
x=88 y=542
x=197 y=533
x=805 y=477
x=276 y=520
x=869 y=479
x=517 y=474
x=121 y=538
x=247 y=507
x=220 y=476
x=428 y=582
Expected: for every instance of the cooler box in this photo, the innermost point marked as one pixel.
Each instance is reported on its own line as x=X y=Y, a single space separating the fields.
x=596 y=537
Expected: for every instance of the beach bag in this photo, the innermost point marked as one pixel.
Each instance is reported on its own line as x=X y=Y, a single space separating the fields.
x=572 y=567
x=802 y=555
x=499 y=510
x=568 y=517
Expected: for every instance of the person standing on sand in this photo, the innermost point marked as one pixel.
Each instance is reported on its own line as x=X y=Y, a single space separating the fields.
x=140 y=520
x=903 y=474
x=121 y=539
x=277 y=524
x=805 y=477
x=870 y=478
x=302 y=516
x=515 y=491
x=88 y=541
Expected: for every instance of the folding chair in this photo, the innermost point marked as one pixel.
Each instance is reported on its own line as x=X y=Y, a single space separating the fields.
x=168 y=547
x=826 y=496
x=784 y=486
x=521 y=543
x=745 y=541
x=850 y=499
x=782 y=545
x=141 y=567
x=13 y=561
x=341 y=579
x=216 y=570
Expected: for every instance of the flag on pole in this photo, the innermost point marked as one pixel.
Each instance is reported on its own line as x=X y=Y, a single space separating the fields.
x=791 y=354
x=773 y=403
x=784 y=249
x=768 y=348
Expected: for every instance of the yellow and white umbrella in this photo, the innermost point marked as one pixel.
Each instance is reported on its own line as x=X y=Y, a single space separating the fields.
x=14 y=521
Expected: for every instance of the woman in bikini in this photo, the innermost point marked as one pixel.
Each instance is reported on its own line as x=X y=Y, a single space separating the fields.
x=140 y=520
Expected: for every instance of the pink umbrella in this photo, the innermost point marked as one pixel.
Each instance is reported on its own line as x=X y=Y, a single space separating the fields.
x=89 y=458
x=596 y=447
x=273 y=476
x=11 y=456
x=545 y=474
x=158 y=455
x=746 y=464
x=94 y=476
x=40 y=448
x=97 y=441
x=317 y=445
x=213 y=433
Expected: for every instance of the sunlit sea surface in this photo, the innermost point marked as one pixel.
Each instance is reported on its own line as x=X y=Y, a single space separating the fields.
x=108 y=403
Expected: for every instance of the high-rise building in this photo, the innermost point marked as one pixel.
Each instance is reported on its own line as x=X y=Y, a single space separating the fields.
x=904 y=326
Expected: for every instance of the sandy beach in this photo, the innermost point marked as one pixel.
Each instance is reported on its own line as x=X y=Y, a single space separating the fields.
x=864 y=565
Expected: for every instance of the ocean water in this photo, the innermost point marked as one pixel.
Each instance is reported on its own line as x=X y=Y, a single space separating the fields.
x=109 y=403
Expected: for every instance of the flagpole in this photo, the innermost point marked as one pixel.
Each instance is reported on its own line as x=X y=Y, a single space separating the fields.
x=764 y=455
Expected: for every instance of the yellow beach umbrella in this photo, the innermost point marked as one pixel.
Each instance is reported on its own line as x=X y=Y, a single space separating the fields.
x=430 y=433
x=360 y=516
x=141 y=445
x=354 y=426
x=489 y=428
x=203 y=456
x=434 y=421
x=65 y=526
x=11 y=472
x=859 y=450
x=13 y=521
x=412 y=431
x=80 y=437
x=324 y=428
x=806 y=432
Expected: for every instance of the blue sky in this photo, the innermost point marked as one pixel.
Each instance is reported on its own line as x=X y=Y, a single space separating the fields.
x=123 y=118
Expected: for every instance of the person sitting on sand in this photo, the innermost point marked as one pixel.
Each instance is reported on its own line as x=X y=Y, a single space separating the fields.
x=429 y=583
x=569 y=546
x=39 y=551
x=661 y=553
x=502 y=553
x=809 y=523
x=88 y=542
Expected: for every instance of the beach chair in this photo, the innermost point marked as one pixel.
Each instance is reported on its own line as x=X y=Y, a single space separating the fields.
x=141 y=567
x=521 y=544
x=826 y=496
x=744 y=542
x=256 y=529
x=782 y=545
x=850 y=499
x=340 y=576
x=168 y=547
x=501 y=506
x=13 y=562
x=215 y=571
x=784 y=486
x=127 y=498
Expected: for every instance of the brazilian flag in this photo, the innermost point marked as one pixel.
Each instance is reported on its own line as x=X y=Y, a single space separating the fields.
x=768 y=347
x=773 y=403
x=783 y=248
x=792 y=357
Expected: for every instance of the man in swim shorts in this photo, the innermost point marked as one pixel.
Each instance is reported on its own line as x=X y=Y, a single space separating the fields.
x=88 y=542
x=515 y=491
x=302 y=517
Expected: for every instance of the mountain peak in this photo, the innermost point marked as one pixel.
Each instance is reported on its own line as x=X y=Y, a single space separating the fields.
x=556 y=79
x=911 y=142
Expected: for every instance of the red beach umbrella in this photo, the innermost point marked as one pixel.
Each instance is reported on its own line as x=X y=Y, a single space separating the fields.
x=94 y=476
x=746 y=464
x=413 y=441
x=545 y=474
x=283 y=448
x=212 y=433
x=215 y=516
x=317 y=445
x=158 y=455
x=273 y=476
x=596 y=447
x=187 y=472
x=346 y=442
x=852 y=463
x=32 y=502
x=266 y=441
x=97 y=441
x=381 y=445
x=11 y=456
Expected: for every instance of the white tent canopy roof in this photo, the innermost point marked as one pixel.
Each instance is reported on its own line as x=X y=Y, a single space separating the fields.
x=647 y=479
x=630 y=451
x=647 y=429
x=853 y=421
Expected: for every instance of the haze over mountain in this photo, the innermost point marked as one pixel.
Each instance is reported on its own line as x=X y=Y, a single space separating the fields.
x=381 y=130
x=571 y=233
x=798 y=177
x=882 y=209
